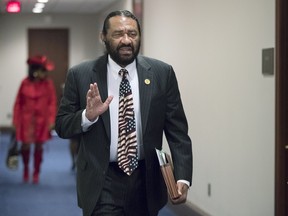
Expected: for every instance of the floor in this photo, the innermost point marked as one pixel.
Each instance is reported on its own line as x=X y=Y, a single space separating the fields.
x=54 y=195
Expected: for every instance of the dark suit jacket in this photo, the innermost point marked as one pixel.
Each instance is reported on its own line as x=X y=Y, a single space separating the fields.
x=161 y=110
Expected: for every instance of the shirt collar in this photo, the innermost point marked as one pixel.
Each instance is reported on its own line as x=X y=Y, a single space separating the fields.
x=114 y=68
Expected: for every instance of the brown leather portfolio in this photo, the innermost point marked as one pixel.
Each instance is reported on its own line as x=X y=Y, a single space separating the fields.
x=166 y=167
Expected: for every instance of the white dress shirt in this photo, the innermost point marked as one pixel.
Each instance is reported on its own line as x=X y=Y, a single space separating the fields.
x=114 y=79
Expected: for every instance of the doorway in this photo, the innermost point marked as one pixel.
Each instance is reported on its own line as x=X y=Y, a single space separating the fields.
x=54 y=44
x=281 y=156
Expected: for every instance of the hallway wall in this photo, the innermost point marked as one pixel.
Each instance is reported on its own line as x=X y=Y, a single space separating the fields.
x=215 y=48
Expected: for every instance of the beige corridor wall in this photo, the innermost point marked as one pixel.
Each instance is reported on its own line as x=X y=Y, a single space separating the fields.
x=215 y=48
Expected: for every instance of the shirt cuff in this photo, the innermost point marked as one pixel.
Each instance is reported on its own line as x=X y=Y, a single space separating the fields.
x=185 y=182
x=85 y=123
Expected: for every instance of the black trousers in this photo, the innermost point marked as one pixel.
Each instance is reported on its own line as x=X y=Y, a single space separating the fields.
x=123 y=195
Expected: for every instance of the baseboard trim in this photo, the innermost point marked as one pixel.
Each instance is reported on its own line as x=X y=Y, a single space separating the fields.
x=6 y=129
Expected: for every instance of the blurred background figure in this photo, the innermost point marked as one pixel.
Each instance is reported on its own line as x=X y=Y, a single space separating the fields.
x=34 y=112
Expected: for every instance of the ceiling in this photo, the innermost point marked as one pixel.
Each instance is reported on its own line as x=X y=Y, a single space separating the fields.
x=63 y=6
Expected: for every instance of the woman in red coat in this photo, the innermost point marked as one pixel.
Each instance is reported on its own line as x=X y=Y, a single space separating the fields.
x=34 y=112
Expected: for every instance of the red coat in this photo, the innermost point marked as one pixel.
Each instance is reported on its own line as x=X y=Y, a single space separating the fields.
x=34 y=110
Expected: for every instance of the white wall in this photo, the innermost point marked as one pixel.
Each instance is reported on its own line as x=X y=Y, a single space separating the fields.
x=84 y=44
x=215 y=49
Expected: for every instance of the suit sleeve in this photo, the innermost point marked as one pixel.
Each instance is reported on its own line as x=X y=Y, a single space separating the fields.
x=68 y=118
x=176 y=131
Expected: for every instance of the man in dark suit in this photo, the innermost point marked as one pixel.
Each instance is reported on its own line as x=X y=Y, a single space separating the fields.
x=89 y=110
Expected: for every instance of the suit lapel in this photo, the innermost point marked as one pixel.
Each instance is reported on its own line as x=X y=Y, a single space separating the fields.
x=146 y=84
x=99 y=76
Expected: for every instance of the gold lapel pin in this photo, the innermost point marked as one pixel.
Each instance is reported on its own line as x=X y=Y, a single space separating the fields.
x=147 y=81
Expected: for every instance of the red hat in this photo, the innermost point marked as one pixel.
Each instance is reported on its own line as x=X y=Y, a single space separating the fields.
x=42 y=61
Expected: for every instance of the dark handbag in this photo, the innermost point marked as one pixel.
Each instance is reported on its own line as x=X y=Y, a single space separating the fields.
x=12 y=159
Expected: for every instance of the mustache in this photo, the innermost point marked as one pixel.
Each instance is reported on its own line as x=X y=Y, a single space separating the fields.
x=125 y=46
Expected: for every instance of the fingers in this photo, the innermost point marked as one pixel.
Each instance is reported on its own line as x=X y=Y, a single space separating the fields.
x=182 y=187
x=183 y=191
x=180 y=200
x=94 y=104
x=108 y=100
x=92 y=95
x=93 y=91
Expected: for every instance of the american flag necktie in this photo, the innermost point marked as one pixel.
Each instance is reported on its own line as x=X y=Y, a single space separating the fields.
x=127 y=140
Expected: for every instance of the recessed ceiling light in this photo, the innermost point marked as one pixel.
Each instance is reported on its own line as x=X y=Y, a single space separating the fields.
x=43 y=1
x=37 y=10
x=39 y=5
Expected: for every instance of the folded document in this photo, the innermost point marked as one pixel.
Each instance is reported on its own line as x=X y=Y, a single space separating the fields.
x=166 y=166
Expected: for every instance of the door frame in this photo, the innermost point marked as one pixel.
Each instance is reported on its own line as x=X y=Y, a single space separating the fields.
x=53 y=42
x=281 y=124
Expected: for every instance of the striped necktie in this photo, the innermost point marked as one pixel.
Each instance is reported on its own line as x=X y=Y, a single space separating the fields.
x=127 y=141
